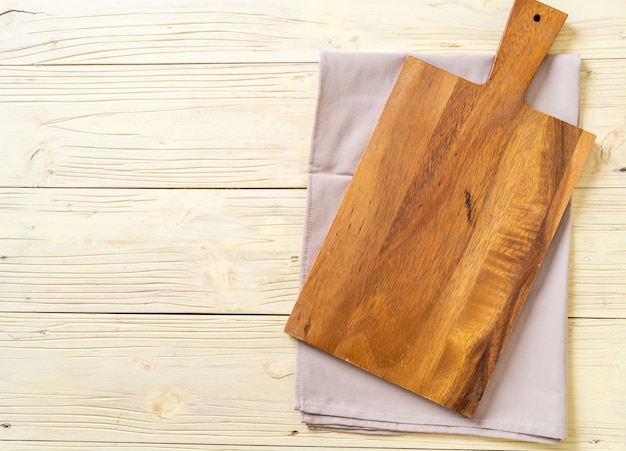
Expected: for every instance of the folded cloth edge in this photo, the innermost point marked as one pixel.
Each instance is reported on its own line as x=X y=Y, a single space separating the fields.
x=326 y=421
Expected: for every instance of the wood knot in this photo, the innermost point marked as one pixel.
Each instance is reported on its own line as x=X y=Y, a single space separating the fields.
x=307 y=327
x=167 y=404
x=277 y=370
x=468 y=208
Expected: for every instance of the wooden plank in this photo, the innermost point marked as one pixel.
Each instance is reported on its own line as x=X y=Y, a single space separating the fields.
x=603 y=110
x=210 y=125
x=146 y=137
x=150 y=250
x=163 y=126
x=228 y=380
x=194 y=31
x=31 y=445
x=598 y=254
x=63 y=446
x=86 y=250
x=12 y=445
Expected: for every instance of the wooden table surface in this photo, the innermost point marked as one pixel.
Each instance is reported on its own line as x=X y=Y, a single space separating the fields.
x=152 y=191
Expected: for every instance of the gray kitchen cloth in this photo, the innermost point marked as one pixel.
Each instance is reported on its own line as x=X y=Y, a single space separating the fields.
x=526 y=398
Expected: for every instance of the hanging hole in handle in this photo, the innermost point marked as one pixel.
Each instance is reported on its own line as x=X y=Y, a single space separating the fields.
x=537 y=18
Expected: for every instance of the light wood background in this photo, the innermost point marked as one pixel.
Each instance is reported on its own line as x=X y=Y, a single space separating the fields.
x=152 y=190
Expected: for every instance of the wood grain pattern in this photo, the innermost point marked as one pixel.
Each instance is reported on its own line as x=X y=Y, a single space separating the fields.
x=166 y=126
x=221 y=251
x=598 y=252
x=214 y=31
x=445 y=223
x=99 y=94
x=211 y=126
x=221 y=381
x=195 y=251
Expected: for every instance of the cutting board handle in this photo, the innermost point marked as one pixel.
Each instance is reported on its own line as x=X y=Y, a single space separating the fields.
x=529 y=34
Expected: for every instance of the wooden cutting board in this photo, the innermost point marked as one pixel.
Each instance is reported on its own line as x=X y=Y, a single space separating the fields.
x=446 y=221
